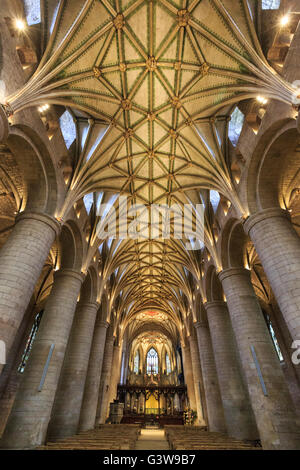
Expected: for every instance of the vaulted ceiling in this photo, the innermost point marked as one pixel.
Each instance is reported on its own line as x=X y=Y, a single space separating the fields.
x=159 y=78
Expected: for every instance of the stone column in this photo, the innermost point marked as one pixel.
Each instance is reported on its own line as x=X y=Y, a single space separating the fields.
x=4 y=126
x=188 y=376
x=91 y=392
x=21 y=261
x=274 y=412
x=66 y=410
x=238 y=413
x=126 y=367
x=10 y=378
x=115 y=373
x=197 y=375
x=278 y=247
x=215 y=412
x=28 y=422
x=102 y=407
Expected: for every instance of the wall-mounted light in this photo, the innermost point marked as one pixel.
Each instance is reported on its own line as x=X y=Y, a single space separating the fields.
x=284 y=20
x=43 y=108
x=20 y=24
x=261 y=99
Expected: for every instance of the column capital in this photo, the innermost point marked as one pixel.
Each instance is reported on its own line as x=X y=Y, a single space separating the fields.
x=214 y=304
x=103 y=324
x=201 y=324
x=233 y=272
x=70 y=273
x=40 y=217
x=263 y=215
x=4 y=125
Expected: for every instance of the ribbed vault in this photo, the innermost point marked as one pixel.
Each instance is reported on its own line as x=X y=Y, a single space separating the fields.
x=152 y=84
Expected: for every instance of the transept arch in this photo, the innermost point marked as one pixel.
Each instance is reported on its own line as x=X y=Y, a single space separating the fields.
x=273 y=173
x=41 y=190
x=71 y=247
x=233 y=244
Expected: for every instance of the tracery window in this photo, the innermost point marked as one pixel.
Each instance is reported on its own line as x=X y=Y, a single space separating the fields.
x=168 y=364
x=30 y=341
x=152 y=361
x=136 y=364
x=235 y=126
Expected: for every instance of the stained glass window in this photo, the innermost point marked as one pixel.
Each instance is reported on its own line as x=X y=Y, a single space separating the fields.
x=136 y=363
x=30 y=341
x=168 y=364
x=152 y=361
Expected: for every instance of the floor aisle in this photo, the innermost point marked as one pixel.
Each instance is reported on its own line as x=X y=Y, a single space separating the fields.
x=152 y=439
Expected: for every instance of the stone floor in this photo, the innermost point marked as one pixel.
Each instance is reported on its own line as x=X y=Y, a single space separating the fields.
x=152 y=439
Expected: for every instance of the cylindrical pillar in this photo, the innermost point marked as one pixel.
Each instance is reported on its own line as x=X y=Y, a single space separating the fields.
x=197 y=375
x=115 y=373
x=10 y=377
x=215 y=412
x=280 y=260
x=270 y=398
x=91 y=391
x=28 y=422
x=66 y=410
x=21 y=261
x=4 y=125
x=188 y=376
x=240 y=422
x=102 y=407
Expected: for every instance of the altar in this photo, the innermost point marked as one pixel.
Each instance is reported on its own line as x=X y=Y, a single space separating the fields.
x=153 y=403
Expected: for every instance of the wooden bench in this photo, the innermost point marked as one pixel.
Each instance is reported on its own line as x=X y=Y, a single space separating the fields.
x=104 y=437
x=197 y=438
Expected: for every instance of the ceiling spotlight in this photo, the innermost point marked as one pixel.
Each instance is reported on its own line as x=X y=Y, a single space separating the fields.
x=284 y=20
x=261 y=99
x=20 y=25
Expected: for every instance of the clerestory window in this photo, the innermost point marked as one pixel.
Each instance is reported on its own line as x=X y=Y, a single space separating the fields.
x=30 y=341
x=270 y=4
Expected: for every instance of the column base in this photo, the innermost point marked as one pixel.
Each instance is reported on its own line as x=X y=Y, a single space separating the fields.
x=4 y=125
